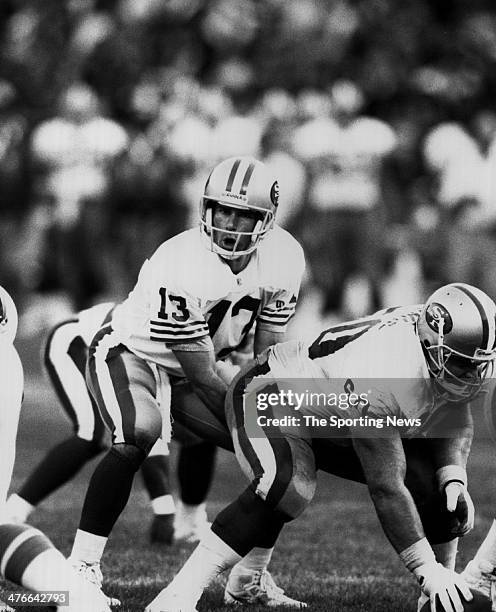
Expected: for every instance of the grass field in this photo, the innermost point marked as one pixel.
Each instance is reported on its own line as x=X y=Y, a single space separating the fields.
x=335 y=556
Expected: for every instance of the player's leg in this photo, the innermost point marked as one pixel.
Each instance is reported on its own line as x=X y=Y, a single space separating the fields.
x=156 y=477
x=196 y=461
x=195 y=469
x=282 y=473
x=65 y=362
x=190 y=415
x=480 y=572
x=29 y=559
x=125 y=388
x=199 y=431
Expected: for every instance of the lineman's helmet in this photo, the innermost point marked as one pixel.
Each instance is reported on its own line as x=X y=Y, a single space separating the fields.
x=457 y=327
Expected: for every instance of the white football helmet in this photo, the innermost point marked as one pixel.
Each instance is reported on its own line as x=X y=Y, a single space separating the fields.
x=246 y=184
x=8 y=317
x=457 y=329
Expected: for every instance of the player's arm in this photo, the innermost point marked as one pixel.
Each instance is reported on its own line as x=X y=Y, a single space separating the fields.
x=198 y=363
x=455 y=426
x=384 y=464
x=265 y=338
x=450 y=454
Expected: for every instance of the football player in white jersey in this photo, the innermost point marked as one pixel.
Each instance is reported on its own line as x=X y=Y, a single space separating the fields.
x=195 y=301
x=11 y=390
x=27 y=557
x=65 y=356
x=422 y=364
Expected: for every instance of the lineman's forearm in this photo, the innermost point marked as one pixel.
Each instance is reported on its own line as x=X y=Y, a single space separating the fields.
x=398 y=516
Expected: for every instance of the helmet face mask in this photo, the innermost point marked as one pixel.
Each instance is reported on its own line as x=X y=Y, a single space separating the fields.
x=244 y=184
x=457 y=378
x=457 y=329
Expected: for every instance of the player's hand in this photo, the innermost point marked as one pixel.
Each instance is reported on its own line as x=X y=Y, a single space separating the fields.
x=444 y=585
x=458 y=500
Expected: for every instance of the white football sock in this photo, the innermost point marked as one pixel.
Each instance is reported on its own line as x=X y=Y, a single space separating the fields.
x=487 y=550
x=256 y=560
x=17 y=509
x=209 y=559
x=446 y=553
x=49 y=571
x=88 y=547
x=163 y=505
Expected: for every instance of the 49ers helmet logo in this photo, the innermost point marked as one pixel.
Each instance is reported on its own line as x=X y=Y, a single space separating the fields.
x=433 y=315
x=274 y=194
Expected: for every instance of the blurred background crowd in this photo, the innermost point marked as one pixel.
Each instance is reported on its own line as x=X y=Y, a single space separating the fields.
x=378 y=117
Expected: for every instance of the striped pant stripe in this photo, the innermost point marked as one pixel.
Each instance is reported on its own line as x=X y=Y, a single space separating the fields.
x=268 y=454
x=120 y=380
x=101 y=381
x=65 y=362
x=126 y=389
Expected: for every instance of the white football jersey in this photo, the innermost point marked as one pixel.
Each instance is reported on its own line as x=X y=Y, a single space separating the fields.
x=379 y=356
x=11 y=393
x=186 y=292
x=91 y=319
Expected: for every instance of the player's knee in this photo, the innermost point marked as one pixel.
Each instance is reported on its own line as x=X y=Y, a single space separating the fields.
x=129 y=453
x=295 y=501
x=146 y=436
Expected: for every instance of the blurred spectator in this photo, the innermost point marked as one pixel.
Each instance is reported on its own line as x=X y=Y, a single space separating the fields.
x=277 y=155
x=187 y=81
x=14 y=187
x=462 y=163
x=71 y=156
x=343 y=233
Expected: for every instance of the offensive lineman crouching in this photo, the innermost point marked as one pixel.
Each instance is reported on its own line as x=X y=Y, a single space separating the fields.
x=442 y=352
